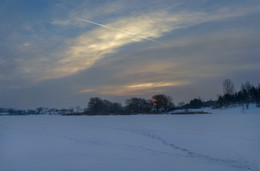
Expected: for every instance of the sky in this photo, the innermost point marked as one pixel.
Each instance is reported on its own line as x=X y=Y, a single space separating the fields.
x=59 y=53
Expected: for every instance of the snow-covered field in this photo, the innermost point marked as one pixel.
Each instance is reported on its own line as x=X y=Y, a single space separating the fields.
x=225 y=140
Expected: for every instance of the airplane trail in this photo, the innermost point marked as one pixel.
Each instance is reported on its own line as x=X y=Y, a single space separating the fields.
x=123 y=31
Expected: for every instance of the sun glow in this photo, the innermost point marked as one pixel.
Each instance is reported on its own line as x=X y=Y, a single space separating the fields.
x=135 y=89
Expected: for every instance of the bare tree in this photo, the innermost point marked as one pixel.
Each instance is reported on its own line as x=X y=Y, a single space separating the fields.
x=228 y=87
x=162 y=102
x=246 y=88
x=138 y=105
x=95 y=105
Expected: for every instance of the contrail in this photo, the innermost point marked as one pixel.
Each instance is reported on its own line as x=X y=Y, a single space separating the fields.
x=123 y=31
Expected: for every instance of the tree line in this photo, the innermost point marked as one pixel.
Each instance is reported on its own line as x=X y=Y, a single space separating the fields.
x=247 y=94
x=96 y=106
x=157 y=104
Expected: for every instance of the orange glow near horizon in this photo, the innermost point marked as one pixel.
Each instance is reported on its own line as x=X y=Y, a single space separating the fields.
x=134 y=89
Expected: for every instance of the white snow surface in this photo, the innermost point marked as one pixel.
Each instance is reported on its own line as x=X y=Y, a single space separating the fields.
x=226 y=140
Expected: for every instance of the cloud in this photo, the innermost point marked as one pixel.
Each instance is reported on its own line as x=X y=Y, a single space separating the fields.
x=205 y=43
x=87 y=10
x=123 y=31
x=87 y=91
x=26 y=44
x=134 y=89
x=191 y=59
x=142 y=86
x=85 y=50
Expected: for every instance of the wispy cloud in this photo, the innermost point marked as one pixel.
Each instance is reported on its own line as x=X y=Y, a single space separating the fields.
x=88 y=48
x=92 y=46
x=123 y=31
x=26 y=44
x=140 y=88
x=134 y=89
x=87 y=91
x=152 y=85
x=83 y=10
